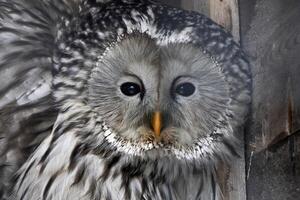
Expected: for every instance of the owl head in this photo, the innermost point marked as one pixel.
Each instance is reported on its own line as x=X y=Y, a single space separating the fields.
x=159 y=96
x=162 y=81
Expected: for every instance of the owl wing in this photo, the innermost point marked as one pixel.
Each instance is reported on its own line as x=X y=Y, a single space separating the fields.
x=27 y=109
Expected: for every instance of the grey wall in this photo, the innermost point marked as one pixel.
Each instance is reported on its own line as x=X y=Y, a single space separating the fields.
x=271 y=37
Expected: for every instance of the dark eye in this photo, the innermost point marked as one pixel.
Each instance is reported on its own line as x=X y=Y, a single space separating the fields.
x=130 y=88
x=185 y=89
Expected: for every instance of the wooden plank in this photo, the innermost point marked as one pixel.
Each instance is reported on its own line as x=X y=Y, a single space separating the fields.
x=272 y=40
x=236 y=182
x=232 y=178
x=226 y=13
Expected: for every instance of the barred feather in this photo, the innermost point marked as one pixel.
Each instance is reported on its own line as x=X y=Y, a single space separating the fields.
x=55 y=145
x=27 y=110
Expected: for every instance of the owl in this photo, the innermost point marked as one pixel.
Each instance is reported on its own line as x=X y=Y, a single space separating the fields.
x=116 y=99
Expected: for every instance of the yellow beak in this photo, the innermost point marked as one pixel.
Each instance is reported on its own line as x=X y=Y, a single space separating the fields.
x=157 y=123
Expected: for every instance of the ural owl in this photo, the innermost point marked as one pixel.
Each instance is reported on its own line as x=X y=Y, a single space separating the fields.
x=116 y=99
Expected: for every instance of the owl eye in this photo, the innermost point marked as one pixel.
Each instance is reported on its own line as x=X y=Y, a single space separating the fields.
x=130 y=88
x=185 y=89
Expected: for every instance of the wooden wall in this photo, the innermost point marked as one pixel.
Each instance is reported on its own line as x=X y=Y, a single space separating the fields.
x=271 y=38
x=269 y=31
x=225 y=12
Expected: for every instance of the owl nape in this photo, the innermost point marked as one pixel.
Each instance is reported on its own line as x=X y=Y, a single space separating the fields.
x=116 y=99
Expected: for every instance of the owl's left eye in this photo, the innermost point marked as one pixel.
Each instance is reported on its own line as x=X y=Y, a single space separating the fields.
x=185 y=89
x=130 y=88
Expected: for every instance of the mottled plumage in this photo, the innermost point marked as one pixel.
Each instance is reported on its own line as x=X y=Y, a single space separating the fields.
x=80 y=81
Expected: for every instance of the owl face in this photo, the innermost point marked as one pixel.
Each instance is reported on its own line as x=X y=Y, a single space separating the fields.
x=166 y=96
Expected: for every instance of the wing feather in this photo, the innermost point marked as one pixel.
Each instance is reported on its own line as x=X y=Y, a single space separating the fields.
x=27 y=111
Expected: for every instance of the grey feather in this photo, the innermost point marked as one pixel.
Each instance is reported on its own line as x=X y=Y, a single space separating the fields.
x=68 y=131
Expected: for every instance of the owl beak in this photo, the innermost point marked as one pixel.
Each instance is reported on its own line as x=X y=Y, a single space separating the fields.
x=157 y=123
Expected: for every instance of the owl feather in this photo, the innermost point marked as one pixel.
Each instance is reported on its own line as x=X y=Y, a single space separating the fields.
x=68 y=129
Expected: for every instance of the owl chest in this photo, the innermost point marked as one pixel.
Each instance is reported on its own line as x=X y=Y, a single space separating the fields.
x=88 y=177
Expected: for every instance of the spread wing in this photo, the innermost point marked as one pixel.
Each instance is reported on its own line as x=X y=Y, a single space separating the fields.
x=27 y=110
